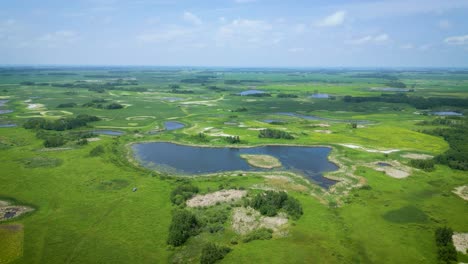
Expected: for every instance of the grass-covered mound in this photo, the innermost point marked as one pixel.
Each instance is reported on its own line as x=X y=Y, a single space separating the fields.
x=262 y=161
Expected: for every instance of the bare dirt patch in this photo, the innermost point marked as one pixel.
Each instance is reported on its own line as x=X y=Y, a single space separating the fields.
x=262 y=161
x=460 y=241
x=462 y=191
x=93 y=139
x=245 y=220
x=8 y=211
x=417 y=156
x=210 y=199
x=393 y=168
x=323 y=131
x=368 y=149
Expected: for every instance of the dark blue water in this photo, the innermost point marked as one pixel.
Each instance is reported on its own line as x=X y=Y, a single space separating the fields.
x=447 y=113
x=7 y=125
x=172 y=125
x=308 y=161
x=107 y=132
x=6 y=111
x=312 y=117
x=320 y=96
x=250 y=92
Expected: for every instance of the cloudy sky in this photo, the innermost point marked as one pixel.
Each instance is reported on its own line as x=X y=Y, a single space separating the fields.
x=303 y=33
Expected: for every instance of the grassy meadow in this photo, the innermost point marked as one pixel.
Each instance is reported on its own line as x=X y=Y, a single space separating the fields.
x=85 y=210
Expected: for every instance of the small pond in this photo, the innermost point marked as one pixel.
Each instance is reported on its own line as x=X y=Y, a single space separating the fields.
x=312 y=117
x=383 y=164
x=7 y=125
x=319 y=96
x=5 y=111
x=251 y=92
x=173 y=125
x=308 y=161
x=108 y=132
x=447 y=113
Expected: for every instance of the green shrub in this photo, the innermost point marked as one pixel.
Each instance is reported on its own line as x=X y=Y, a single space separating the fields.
x=270 y=202
x=274 y=133
x=54 y=141
x=182 y=193
x=97 y=151
x=426 y=165
x=211 y=253
x=184 y=225
x=259 y=234
x=446 y=251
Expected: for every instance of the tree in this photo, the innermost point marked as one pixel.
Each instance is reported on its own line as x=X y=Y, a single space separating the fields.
x=211 y=253
x=184 y=224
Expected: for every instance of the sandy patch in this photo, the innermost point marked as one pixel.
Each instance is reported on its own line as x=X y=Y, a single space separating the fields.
x=369 y=150
x=139 y=118
x=8 y=212
x=462 y=191
x=220 y=135
x=245 y=220
x=210 y=199
x=284 y=183
x=256 y=128
x=262 y=161
x=460 y=241
x=35 y=106
x=54 y=149
x=205 y=103
x=394 y=169
x=93 y=139
x=416 y=156
x=323 y=131
x=321 y=125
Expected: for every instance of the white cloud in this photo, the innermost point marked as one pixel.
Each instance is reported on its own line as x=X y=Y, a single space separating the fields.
x=244 y=30
x=296 y=50
x=332 y=20
x=370 y=39
x=59 y=37
x=191 y=18
x=457 y=40
x=407 y=46
x=444 y=24
x=163 y=36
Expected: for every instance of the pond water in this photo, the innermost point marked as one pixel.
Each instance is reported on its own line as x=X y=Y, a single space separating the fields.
x=3 y=102
x=308 y=161
x=383 y=164
x=250 y=92
x=9 y=214
x=107 y=132
x=7 y=125
x=447 y=113
x=173 y=125
x=312 y=117
x=320 y=96
x=389 y=89
x=5 y=111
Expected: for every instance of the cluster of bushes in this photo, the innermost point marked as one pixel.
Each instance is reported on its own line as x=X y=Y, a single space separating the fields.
x=426 y=165
x=67 y=105
x=201 y=137
x=240 y=109
x=232 y=139
x=60 y=124
x=97 y=151
x=212 y=219
x=446 y=251
x=211 y=253
x=415 y=101
x=54 y=139
x=99 y=103
x=216 y=88
x=446 y=121
x=182 y=193
x=396 y=84
x=184 y=224
x=270 y=203
x=274 y=133
x=286 y=95
x=258 y=234
x=455 y=157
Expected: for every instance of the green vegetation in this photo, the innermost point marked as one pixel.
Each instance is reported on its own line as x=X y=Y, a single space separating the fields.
x=274 y=133
x=258 y=234
x=182 y=193
x=94 y=204
x=270 y=203
x=211 y=253
x=446 y=251
x=183 y=226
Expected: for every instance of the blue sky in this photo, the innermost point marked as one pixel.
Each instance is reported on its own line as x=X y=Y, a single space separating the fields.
x=272 y=33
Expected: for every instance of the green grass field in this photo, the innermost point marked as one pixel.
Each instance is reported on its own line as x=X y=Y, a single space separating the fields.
x=86 y=211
